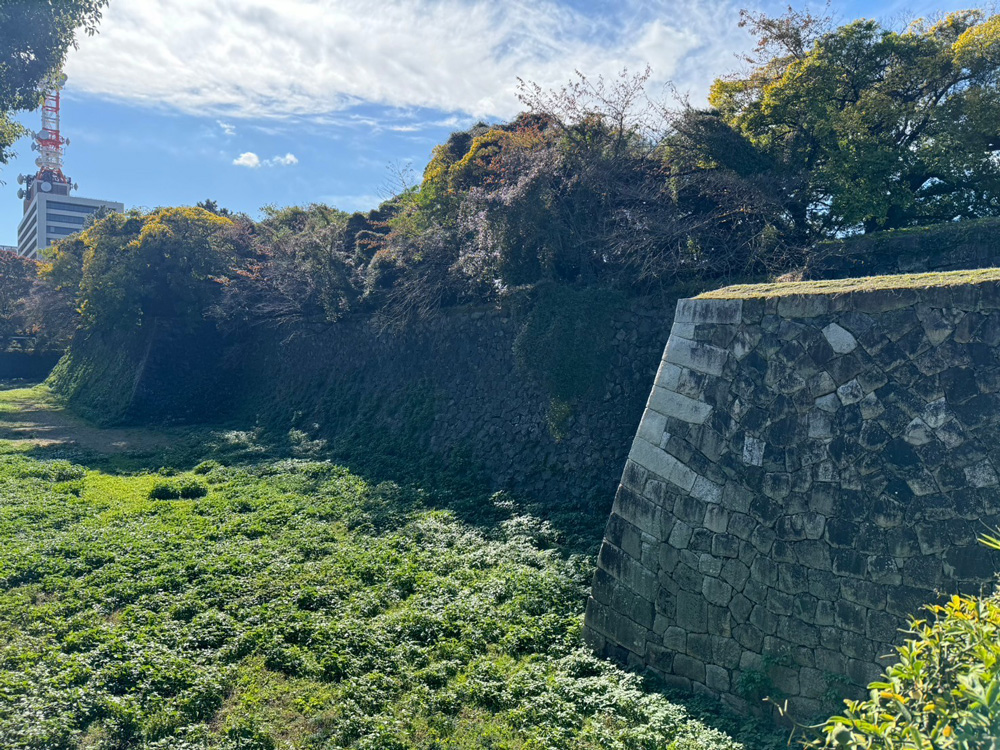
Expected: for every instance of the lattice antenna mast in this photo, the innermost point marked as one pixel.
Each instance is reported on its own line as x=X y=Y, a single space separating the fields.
x=49 y=143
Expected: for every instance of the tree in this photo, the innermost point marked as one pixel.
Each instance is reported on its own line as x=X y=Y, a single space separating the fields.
x=52 y=307
x=213 y=208
x=739 y=205
x=17 y=276
x=36 y=35
x=875 y=128
x=558 y=193
x=602 y=184
x=139 y=266
x=297 y=267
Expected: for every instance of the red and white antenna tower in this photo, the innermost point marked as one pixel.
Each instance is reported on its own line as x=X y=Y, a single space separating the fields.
x=49 y=143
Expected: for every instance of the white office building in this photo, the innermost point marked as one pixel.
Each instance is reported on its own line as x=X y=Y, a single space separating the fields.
x=49 y=217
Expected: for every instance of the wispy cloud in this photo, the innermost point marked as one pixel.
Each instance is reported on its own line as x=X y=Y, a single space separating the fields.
x=252 y=58
x=252 y=161
x=228 y=128
x=363 y=202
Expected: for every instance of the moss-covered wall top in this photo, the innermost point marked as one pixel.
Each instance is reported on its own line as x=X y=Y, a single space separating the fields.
x=815 y=462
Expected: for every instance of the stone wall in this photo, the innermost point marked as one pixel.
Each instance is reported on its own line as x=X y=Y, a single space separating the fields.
x=943 y=247
x=16 y=365
x=810 y=469
x=453 y=389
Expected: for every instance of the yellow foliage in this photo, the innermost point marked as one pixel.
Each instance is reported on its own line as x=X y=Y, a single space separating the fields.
x=978 y=48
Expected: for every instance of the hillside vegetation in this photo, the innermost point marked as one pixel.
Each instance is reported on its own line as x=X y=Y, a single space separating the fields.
x=828 y=132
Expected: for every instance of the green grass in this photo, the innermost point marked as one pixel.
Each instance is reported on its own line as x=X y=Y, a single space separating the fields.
x=260 y=602
x=845 y=286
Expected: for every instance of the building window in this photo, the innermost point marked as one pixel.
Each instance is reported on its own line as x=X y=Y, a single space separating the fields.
x=31 y=212
x=60 y=206
x=29 y=229
x=75 y=220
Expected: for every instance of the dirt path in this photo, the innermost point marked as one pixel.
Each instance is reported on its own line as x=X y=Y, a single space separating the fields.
x=32 y=416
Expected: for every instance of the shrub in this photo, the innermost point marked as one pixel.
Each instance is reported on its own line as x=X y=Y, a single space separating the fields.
x=206 y=467
x=186 y=489
x=17 y=275
x=944 y=692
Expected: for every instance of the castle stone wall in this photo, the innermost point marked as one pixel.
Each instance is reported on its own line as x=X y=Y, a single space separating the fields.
x=809 y=471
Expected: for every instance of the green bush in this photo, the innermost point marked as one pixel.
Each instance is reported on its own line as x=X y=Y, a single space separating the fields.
x=944 y=692
x=206 y=467
x=186 y=489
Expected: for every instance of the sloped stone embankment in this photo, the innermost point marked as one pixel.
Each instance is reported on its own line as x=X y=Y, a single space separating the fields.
x=815 y=462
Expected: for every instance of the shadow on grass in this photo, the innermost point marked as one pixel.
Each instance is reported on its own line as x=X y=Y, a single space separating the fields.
x=34 y=423
x=755 y=732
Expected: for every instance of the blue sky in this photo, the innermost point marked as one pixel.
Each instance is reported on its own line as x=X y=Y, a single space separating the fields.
x=290 y=102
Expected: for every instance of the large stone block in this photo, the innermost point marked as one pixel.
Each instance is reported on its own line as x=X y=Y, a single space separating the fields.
x=696 y=356
x=629 y=572
x=658 y=461
x=840 y=339
x=692 y=612
x=702 y=311
x=672 y=404
x=636 y=510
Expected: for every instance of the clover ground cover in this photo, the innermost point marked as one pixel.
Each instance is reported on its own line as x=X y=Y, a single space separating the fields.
x=292 y=604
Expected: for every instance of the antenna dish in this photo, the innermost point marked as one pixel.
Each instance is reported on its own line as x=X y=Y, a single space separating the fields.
x=20 y=179
x=20 y=193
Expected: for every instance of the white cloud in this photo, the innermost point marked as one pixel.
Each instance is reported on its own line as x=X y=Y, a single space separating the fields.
x=282 y=161
x=254 y=58
x=248 y=159
x=227 y=127
x=251 y=160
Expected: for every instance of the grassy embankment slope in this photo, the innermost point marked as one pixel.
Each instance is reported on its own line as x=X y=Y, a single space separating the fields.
x=258 y=602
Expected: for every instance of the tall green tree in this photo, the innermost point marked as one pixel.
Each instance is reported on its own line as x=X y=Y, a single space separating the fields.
x=880 y=128
x=35 y=36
